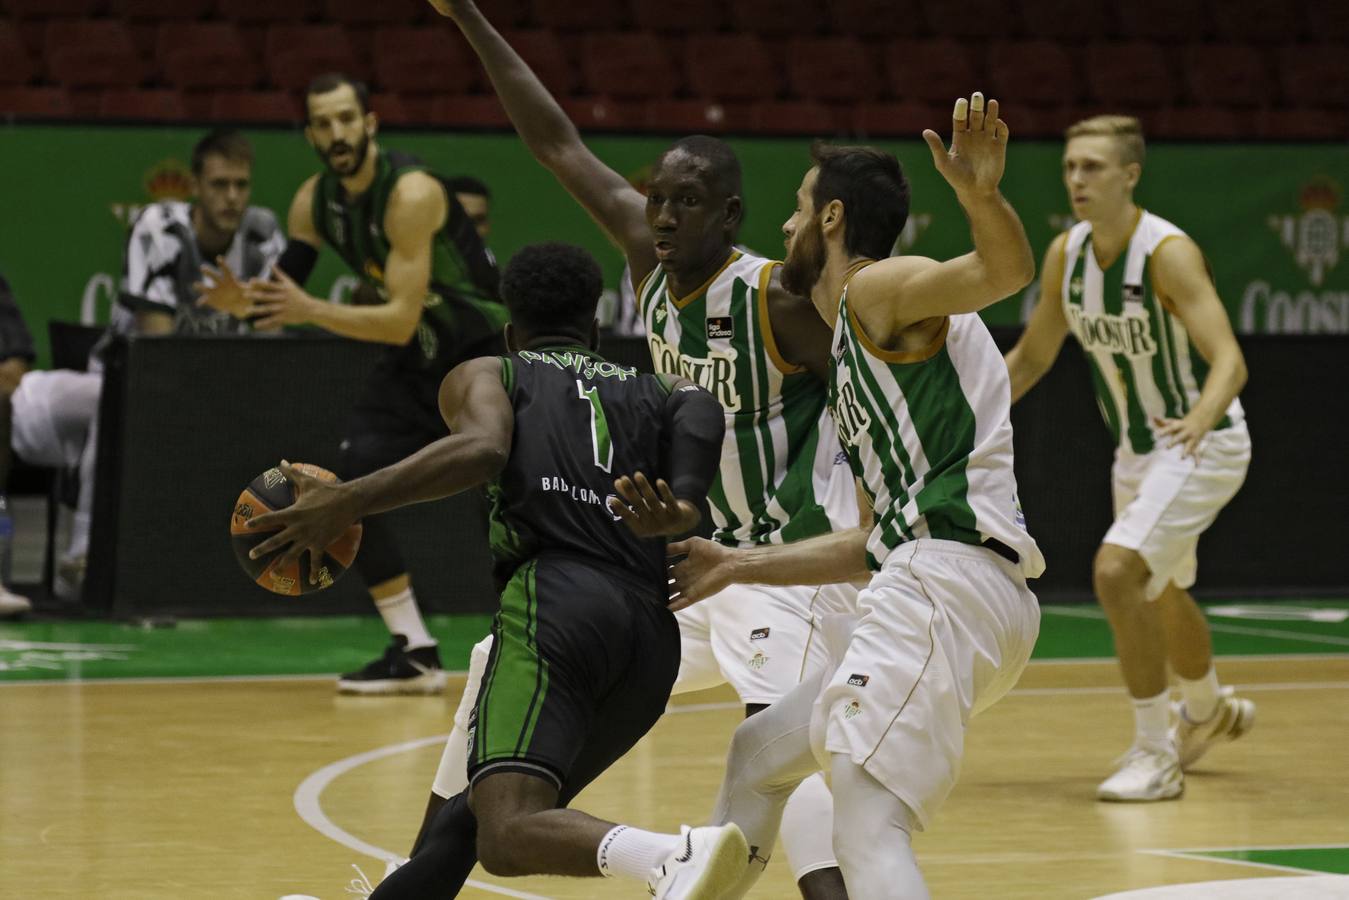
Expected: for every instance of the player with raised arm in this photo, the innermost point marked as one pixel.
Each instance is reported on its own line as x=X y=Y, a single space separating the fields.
x=946 y=624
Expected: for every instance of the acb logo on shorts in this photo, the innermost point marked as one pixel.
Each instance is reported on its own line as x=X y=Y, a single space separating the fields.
x=859 y=680
x=759 y=634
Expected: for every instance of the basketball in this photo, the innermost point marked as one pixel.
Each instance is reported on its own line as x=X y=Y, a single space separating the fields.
x=271 y=491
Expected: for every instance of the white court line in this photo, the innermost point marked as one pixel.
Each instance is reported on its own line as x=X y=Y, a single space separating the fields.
x=307 y=804
x=1192 y=857
x=1329 y=639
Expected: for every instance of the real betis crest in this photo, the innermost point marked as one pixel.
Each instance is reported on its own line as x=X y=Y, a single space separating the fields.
x=1318 y=234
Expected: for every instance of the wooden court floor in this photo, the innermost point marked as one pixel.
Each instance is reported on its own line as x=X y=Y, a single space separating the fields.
x=201 y=789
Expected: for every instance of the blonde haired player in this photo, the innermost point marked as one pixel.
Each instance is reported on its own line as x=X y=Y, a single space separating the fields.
x=1136 y=293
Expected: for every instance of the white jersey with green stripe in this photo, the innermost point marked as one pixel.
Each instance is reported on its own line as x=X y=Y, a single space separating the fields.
x=929 y=433
x=775 y=464
x=1143 y=365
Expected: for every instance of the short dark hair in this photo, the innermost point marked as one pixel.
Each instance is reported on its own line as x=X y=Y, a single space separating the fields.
x=226 y=142
x=467 y=184
x=331 y=81
x=721 y=160
x=874 y=191
x=552 y=288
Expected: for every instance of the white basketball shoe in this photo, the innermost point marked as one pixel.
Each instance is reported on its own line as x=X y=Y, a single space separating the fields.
x=1146 y=773
x=707 y=862
x=1234 y=717
x=12 y=604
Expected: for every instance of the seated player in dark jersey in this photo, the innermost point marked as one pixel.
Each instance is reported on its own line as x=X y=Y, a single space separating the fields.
x=418 y=256
x=585 y=650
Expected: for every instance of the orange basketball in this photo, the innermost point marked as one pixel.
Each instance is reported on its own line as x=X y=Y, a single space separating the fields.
x=271 y=491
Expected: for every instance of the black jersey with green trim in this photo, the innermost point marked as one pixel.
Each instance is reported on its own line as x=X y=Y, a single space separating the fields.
x=580 y=422
x=462 y=310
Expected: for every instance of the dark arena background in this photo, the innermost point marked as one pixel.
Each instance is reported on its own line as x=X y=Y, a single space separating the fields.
x=152 y=681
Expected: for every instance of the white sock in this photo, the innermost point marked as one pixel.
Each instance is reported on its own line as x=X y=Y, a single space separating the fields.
x=1201 y=696
x=79 y=535
x=401 y=614
x=1152 y=719
x=633 y=852
x=452 y=776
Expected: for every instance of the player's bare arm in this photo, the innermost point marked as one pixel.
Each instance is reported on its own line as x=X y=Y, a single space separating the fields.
x=709 y=567
x=616 y=206
x=897 y=293
x=1182 y=282
x=417 y=208
x=152 y=323
x=802 y=337
x=1039 y=344
x=11 y=371
x=478 y=410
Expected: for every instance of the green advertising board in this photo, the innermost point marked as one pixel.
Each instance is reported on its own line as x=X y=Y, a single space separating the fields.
x=1271 y=218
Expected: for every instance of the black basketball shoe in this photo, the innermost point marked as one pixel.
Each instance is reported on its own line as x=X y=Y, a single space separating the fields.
x=398 y=671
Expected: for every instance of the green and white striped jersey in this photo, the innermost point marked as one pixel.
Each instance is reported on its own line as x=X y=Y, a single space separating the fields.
x=1143 y=365
x=929 y=433
x=774 y=464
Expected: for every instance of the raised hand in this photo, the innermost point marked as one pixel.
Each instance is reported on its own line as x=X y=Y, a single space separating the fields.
x=319 y=515
x=220 y=290
x=278 y=300
x=706 y=568
x=449 y=8
x=651 y=512
x=978 y=154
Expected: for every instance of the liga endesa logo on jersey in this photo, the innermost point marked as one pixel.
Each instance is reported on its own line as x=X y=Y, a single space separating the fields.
x=1317 y=238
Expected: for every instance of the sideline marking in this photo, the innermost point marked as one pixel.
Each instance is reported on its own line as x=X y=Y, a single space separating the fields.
x=1329 y=639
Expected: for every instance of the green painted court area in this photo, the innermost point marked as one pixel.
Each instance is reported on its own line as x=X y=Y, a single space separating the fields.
x=77 y=649
x=1331 y=860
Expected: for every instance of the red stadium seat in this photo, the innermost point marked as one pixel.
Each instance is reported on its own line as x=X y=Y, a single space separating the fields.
x=696 y=116
x=1259 y=21
x=604 y=114
x=1065 y=20
x=548 y=58
x=1314 y=73
x=803 y=17
x=467 y=112
x=579 y=15
x=266 y=11
x=876 y=18
x=256 y=106
x=1228 y=75
x=36 y=103
x=53 y=9
x=1303 y=124
x=1130 y=73
x=1035 y=73
x=295 y=54
x=157 y=105
x=92 y=53
x=970 y=19
x=797 y=117
x=205 y=54
x=1328 y=22
x=160 y=10
x=1045 y=123
x=1164 y=20
x=628 y=65
x=731 y=67
x=678 y=15
x=937 y=70
x=424 y=59
x=836 y=69
x=385 y=12
x=1207 y=123
x=905 y=119
x=15 y=66
x=394 y=109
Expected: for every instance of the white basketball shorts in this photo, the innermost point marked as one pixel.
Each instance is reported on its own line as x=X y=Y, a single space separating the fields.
x=1164 y=501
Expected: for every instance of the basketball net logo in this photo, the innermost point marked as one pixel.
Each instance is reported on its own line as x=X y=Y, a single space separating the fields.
x=1316 y=235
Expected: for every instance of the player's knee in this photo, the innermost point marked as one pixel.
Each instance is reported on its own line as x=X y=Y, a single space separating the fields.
x=499 y=847
x=1117 y=574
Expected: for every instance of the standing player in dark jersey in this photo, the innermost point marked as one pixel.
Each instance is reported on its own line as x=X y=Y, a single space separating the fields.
x=406 y=237
x=585 y=650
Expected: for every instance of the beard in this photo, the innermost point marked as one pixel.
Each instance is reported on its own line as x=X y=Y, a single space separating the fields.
x=805 y=260
x=358 y=153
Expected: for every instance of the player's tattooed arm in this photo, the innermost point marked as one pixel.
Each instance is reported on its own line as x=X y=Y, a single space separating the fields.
x=1182 y=281
x=1039 y=344
x=614 y=204
x=901 y=291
